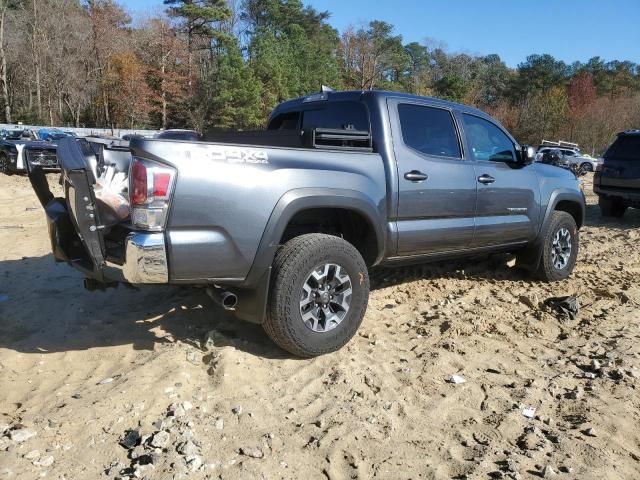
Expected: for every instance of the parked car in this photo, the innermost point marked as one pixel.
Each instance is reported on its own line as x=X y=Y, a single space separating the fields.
x=617 y=180
x=16 y=149
x=52 y=134
x=571 y=155
x=283 y=226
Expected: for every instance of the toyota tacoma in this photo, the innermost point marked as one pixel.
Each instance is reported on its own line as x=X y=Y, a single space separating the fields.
x=282 y=226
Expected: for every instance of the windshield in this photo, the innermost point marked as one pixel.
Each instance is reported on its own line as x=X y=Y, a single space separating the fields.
x=15 y=135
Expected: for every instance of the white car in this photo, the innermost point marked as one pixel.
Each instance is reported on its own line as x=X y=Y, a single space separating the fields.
x=572 y=157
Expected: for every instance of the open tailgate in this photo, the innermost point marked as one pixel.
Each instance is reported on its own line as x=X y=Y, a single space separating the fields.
x=74 y=223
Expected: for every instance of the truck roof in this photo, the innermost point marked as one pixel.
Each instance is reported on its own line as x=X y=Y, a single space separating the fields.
x=357 y=95
x=630 y=132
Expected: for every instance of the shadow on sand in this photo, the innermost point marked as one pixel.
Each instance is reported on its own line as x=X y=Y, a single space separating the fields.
x=44 y=308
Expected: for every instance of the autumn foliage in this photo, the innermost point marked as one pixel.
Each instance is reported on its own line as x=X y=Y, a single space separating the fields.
x=225 y=63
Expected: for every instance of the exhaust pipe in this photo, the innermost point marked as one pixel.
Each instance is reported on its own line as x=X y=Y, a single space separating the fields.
x=225 y=299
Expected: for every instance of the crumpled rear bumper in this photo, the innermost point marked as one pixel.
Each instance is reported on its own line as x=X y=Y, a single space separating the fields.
x=145 y=253
x=145 y=258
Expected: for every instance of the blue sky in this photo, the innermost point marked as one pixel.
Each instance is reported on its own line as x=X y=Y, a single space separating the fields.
x=567 y=29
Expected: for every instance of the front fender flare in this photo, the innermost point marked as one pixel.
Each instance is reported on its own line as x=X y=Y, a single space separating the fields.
x=529 y=257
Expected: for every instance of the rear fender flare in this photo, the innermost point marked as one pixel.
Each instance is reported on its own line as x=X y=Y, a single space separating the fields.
x=300 y=199
x=254 y=292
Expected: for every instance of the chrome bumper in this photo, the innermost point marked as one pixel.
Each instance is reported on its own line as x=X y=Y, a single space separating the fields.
x=145 y=260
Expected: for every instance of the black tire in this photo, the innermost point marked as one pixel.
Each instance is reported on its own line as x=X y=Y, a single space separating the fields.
x=586 y=167
x=611 y=206
x=547 y=270
x=293 y=265
x=5 y=167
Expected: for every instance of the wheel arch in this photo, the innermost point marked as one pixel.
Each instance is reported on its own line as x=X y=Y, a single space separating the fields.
x=254 y=292
x=570 y=201
x=297 y=201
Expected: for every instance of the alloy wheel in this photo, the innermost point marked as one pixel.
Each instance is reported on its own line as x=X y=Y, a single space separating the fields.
x=561 y=248
x=326 y=297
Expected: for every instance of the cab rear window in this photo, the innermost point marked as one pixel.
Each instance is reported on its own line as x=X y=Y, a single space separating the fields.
x=626 y=147
x=344 y=115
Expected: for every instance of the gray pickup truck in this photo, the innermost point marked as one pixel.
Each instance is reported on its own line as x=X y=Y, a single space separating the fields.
x=282 y=226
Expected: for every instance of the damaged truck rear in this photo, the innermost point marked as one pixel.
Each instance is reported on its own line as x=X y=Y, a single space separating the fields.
x=282 y=226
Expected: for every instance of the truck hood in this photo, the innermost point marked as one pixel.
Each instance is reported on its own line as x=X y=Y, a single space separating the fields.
x=39 y=144
x=551 y=171
x=33 y=143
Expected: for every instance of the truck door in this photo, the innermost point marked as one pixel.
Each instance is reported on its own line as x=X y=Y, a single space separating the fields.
x=437 y=185
x=508 y=208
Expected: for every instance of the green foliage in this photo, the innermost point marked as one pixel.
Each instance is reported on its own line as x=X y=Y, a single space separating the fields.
x=292 y=50
x=451 y=87
x=234 y=92
x=200 y=15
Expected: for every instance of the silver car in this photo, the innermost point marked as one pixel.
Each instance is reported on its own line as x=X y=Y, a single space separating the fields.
x=572 y=157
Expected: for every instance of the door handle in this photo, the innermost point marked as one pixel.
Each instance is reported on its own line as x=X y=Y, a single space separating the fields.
x=415 y=176
x=486 y=179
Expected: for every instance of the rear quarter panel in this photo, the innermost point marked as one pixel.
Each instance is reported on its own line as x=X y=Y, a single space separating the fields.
x=225 y=195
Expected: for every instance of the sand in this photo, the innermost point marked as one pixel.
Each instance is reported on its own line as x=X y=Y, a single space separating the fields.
x=79 y=369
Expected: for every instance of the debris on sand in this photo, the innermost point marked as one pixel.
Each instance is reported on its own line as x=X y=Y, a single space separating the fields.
x=252 y=452
x=456 y=379
x=566 y=308
x=21 y=435
x=130 y=439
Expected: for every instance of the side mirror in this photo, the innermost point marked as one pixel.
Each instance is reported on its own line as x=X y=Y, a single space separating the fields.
x=527 y=155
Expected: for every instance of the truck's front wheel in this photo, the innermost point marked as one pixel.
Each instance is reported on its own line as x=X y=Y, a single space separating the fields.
x=560 y=248
x=319 y=294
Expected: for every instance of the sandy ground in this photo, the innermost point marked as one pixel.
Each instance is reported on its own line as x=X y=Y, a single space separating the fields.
x=88 y=371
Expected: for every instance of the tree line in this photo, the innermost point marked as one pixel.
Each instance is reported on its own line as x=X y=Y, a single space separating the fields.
x=218 y=64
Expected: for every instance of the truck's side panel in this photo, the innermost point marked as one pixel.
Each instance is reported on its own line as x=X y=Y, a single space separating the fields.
x=225 y=195
x=437 y=213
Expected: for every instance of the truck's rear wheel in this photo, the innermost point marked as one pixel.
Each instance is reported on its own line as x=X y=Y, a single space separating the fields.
x=560 y=248
x=611 y=206
x=319 y=294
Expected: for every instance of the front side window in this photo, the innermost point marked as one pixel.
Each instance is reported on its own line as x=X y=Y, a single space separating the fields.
x=487 y=141
x=429 y=130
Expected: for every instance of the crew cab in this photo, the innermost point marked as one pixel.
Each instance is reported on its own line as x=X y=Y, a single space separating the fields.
x=282 y=226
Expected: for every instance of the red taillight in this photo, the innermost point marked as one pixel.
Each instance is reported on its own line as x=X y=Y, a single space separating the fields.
x=161 y=183
x=150 y=189
x=138 y=183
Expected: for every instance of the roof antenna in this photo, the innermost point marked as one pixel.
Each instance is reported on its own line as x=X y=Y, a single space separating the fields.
x=325 y=89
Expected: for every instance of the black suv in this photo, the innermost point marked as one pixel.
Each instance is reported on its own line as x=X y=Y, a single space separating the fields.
x=617 y=180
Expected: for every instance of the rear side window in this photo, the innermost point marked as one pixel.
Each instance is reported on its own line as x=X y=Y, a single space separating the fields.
x=285 y=121
x=338 y=115
x=429 y=130
x=626 y=147
x=487 y=141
